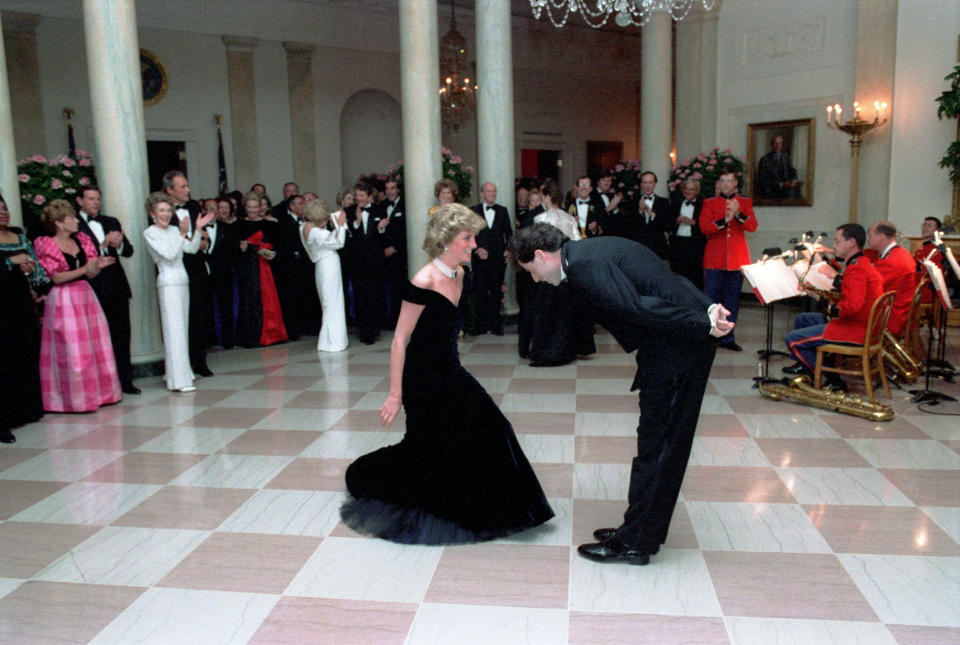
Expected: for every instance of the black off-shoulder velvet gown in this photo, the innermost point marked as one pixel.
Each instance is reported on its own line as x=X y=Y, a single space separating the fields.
x=458 y=475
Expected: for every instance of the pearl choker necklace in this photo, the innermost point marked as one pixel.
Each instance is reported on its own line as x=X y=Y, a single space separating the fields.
x=444 y=269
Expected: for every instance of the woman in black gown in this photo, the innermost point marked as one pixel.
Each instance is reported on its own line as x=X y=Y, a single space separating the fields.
x=458 y=475
x=21 y=401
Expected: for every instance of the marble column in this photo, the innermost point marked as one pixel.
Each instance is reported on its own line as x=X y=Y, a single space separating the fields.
x=20 y=41
x=696 y=83
x=243 y=110
x=420 y=104
x=116 y=99
x=495 y=140
x=303 y=132
x=876 y=63
x=9 y=185
x=655 y=96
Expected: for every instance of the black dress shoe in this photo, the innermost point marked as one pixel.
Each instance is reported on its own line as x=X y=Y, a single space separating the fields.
x=203 y=372
x=7 y=437
x=613 y=550
x=497 y=332
x=733 y=347
x=523 y=354
x=795 y=369
x=547 y=363
x=605 y=534
x=131 y=389
x=833 y=382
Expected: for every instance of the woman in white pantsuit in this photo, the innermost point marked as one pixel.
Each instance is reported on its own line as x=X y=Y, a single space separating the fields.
x=322 y=235
x=166 y=245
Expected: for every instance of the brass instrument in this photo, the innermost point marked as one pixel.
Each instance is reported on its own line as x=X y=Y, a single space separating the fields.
x=800 y=390
x=901 y=362
x=833 y=295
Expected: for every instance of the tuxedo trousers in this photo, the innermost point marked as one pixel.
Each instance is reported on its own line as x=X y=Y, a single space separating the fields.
x=488 y=286
x=670 y=407
x=117 y=312
x=200 y=324
x=686 y=258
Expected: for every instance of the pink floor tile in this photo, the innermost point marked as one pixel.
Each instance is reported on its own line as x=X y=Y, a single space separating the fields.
x=186 y=507
x=335 y=622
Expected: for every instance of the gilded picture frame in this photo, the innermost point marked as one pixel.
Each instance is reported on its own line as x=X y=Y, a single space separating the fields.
x=780 y=162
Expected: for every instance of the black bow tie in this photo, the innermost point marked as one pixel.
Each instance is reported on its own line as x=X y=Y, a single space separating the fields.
x=686 y=203
x=365 y=209
x=488 y=208
x=583 y=201
x=649 y=199
x=730 y=196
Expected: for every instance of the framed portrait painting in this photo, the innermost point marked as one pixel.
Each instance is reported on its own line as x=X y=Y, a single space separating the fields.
x=780 y=162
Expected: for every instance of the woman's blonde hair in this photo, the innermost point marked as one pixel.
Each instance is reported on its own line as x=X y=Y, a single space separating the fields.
x=449 y=221
x=251 y=196
x=158 y=198
x=316 y=211
x=54 y=212
x=446 y=182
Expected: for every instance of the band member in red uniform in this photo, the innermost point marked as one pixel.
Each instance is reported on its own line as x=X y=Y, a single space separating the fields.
x=927 y=229
x=860 y=288
x=724 y=219
x=899 y=271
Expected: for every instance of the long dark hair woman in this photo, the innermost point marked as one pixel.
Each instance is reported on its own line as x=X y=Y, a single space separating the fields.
x=21 y=280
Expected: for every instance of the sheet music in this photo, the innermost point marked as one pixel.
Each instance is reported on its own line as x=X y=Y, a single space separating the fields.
x=772 y=280
x=936 y=277
x=814 y=277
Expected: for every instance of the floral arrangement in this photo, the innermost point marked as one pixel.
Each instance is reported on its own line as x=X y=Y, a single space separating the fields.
x=42 y=180
x=627 y=178
x=706 y=169
x=453 y=168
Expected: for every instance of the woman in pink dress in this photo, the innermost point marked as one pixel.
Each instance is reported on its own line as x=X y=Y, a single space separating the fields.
x=77 y=368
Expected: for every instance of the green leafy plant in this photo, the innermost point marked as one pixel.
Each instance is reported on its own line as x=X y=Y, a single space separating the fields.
x=42 y=180
x=453 y=168
x=948 y=105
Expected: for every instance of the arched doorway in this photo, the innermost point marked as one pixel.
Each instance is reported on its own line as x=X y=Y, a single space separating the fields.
x=371 y=134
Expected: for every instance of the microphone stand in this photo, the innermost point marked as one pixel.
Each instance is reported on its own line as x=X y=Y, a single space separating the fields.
x=926 y=394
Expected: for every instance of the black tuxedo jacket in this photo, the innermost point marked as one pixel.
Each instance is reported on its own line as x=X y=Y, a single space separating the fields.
x=494 y=239
x=112 y=281
x=226 y=251
x=596 y=212
x=194 y=263
x=675 y=206
x=290 y=250
x=641 y=302
x=396 y=233
x=652 y=234
x=363 y=245
x=526 y=216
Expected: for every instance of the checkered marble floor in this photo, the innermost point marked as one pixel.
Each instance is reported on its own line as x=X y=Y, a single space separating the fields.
x=213 y=517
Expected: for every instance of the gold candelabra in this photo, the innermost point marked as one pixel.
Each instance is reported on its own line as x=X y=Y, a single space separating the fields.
x=856 y=128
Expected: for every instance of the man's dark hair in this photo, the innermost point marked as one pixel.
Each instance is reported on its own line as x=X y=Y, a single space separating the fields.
x=364 y=186
x=853 y=232
x=169 y=176
x=886 y=229
x=291 y=183
x=934 y=219
x=540 y=236
x=83 y=190
x=584 y=177
x=254 y=187
x=649 y=172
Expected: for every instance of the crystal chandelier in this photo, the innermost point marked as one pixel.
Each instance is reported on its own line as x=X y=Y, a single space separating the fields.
x=457 y=89
x=596 y=13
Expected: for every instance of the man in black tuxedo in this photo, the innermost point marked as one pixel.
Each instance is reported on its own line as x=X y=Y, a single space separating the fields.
x=686 y=240
x=294 y=273
x=175 y=184
x=290 y=190
x=673 y=328
x=223 y=251
x=589 y=210
x=652 y=217
x=394 y=243
x=489 y=264
x=366 y=223
x=612 y=199
x=111 y=286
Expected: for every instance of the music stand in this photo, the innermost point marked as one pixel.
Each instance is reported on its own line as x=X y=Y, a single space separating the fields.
x=942 y=302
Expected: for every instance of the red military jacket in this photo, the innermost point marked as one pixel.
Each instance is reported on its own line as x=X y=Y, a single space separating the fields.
x=899 y=272
x=920 y=255
x=862 y=285
x=726 y=245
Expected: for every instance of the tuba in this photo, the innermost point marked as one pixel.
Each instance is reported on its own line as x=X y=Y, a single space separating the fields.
x=800 y=390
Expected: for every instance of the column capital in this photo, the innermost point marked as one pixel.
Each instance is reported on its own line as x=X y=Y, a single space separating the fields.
x=239 y=43
x=295 y=49
x=15 y=22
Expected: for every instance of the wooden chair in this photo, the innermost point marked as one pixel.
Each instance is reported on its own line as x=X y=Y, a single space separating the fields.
x=871 y=350
x=910 y=337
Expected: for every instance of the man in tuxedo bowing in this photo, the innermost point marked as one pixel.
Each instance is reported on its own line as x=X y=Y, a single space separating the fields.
x=686 y=241
x=673 y=328
x=724 y=220
x=111 y=286
x=394 y=242
x=652 y=217
x=489 y=263
x=365 y=224
x=175 y=184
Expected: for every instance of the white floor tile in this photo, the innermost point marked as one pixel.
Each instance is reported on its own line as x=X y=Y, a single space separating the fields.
x=730 y=526
x=472 y=625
